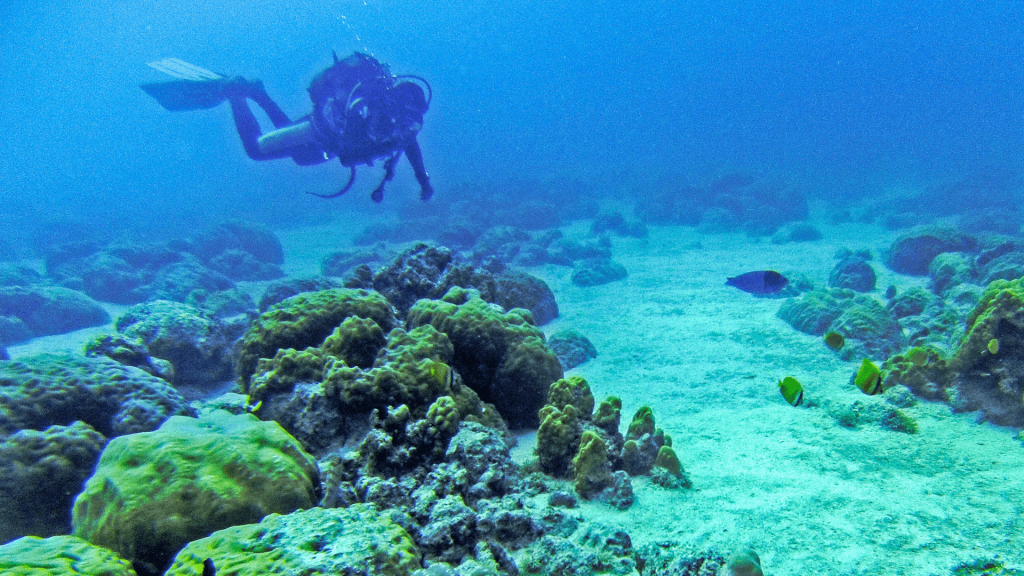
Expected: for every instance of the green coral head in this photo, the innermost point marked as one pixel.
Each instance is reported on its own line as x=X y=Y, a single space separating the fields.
x=668 y=460
x=643 y=423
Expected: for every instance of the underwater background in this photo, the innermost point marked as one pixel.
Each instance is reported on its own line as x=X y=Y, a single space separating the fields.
x=542 y=370
x=852 y=97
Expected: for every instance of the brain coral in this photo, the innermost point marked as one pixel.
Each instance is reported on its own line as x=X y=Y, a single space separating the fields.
x=353 y=540
x=306 y=320
x=154 y=492
x=501 y=355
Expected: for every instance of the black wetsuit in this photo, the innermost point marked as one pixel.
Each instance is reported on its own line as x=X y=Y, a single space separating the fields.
x=360 y=115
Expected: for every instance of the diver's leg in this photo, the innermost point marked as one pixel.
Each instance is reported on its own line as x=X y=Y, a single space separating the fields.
x=258 y=94
x=247 y=125
x=415 y=156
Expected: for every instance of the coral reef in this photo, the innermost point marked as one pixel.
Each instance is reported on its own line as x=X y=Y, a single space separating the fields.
x=813 y=312
x=40 y=472
x=154 y=492
x=60 y=556
x=283 y=289
x=222 y=303
x=130 y=352
x=324 y=396
x=615 y=222
x=353 y=540
x=501 y=356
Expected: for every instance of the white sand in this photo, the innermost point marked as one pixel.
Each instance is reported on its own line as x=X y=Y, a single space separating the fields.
x=810 y=496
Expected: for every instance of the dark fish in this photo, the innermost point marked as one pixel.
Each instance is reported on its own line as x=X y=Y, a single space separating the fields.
x=759 y=282
x=208 y=568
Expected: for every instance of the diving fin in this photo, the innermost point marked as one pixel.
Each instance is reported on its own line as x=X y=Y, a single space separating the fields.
x=196 y=88
x=177 y=95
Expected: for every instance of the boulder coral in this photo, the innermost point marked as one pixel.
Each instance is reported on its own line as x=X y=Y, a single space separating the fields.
x=197 y=345
x=154 y=492
x=60 y=556
x=47 y=389
x=500 y=355
x=40 y=472
x=354 y=540
x=914 y=251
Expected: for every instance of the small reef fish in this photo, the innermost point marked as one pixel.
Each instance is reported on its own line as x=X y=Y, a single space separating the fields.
x=759 y=282
x=791 y=390
x=868 y=378
x=918 y=355
x=993 y=346
x=208 y=568
x=443 y=373
x=834 y=340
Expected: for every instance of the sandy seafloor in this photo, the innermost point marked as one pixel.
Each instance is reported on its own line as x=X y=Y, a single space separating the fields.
x=810 y=496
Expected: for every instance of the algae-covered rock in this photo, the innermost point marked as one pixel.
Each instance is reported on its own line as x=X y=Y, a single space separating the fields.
x=40 y=472
x=60 y=556
x=354 y=540
x=500 y=355
x=306 y=320
x=154 y=492
x=40 y=391
x=572 y=348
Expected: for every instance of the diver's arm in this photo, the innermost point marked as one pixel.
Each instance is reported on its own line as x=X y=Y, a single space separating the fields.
x=412 y=151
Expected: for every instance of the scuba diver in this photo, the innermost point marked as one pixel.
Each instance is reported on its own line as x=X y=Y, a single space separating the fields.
x=361 y=113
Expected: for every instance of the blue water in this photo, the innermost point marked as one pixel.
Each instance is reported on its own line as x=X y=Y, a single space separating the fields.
x=851 y=97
